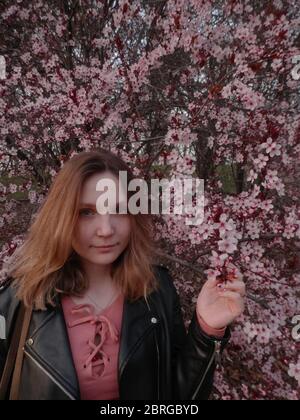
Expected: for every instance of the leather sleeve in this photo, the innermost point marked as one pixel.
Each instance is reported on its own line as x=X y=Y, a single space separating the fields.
x=8 y=312
x=193 y=355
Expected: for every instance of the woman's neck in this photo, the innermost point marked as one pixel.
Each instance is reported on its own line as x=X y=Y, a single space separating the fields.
x=99 y=292
x=98 y=276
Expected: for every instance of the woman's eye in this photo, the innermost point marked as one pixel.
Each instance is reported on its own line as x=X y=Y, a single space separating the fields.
x=88 y=212
x=85 y=212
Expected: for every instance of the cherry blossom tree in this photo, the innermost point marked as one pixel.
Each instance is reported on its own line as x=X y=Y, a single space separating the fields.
x=183 y=88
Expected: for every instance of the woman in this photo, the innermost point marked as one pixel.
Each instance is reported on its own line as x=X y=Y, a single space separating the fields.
x=107 y=322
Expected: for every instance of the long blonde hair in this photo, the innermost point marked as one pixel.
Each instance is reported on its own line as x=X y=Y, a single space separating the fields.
x=46 y=264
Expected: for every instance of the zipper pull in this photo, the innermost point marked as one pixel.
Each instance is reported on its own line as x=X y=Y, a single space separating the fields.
x=218 y=352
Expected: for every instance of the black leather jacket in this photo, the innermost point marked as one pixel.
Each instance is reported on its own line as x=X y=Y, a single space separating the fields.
x=157 y=359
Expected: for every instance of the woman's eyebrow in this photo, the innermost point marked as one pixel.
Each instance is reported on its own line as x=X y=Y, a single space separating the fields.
x=92 y=205
x=87 y=205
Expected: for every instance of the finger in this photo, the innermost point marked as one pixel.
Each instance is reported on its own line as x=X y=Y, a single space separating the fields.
x=235 y=302
x=234 y=275
x=212 y=282
x=230 y=294
x=236 y=286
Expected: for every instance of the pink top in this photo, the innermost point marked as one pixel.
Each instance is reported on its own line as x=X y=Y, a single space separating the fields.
x=94 y=341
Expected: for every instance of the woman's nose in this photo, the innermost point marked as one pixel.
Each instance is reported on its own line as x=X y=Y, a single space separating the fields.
x=104 y=226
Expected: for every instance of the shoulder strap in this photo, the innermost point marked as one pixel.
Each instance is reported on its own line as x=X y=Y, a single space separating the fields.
x=5 y=283
x=15 y=385
x=15 y=354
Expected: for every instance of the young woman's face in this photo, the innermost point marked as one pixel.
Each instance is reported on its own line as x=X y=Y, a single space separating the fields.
x=94 y=230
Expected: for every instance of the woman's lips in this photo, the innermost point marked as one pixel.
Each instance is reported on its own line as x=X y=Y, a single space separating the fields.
x=105 y=248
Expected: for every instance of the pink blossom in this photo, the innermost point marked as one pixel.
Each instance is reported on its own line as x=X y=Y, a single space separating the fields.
x=206 y=230
x=238 y=8
x=253 y=229
x=242 y=32
x=210 y=143
x=252 y=176
x=289 y=232
x=184 y=136
x=226 y=91
x=272 y=181
x=256 y=266
x=276 y=64
x=272 y=148
x=228 y=245
x=294 y=371
x=224 y=226
x=218 y=260
x=261 y=161
x=266 y=205
x=60 y=29
x=32 y=196
x=9 y=12
x=13 y=188
x=263 y=334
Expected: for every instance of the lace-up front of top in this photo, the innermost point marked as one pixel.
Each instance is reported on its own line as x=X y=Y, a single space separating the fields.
x=94 y=340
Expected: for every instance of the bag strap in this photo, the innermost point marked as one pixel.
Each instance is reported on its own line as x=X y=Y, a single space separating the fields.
x=15 y=385
x=15 y=354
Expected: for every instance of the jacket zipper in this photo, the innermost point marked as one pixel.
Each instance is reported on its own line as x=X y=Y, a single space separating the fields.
x=158 y=363
x=49 y=375
x=158 y=357
x=217 y=356
x=135 y=348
